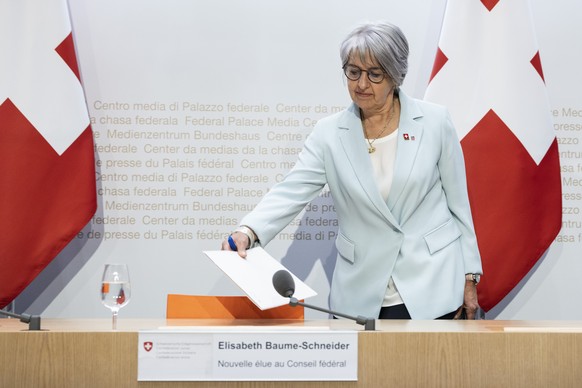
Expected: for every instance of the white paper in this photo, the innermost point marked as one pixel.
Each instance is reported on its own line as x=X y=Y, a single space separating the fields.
x=254 y=275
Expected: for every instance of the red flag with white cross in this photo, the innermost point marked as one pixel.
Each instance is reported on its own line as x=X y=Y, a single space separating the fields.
x=488 y=72
x=47 y=178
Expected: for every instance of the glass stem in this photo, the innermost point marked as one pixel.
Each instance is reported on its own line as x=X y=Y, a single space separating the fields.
x=114 y=321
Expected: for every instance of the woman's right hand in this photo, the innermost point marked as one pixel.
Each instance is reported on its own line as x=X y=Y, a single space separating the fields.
x=241 y=242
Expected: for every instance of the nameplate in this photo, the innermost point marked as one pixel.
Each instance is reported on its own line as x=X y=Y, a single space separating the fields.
x=247 y=355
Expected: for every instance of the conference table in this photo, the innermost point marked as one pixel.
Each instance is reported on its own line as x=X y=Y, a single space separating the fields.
x=480 y=353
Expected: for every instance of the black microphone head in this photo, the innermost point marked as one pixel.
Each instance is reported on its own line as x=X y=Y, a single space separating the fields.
x=284 y=283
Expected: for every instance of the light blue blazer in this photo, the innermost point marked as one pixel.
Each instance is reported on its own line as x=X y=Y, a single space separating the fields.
x=422 y=236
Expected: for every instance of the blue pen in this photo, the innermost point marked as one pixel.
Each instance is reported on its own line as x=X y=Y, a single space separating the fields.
x=231 y=243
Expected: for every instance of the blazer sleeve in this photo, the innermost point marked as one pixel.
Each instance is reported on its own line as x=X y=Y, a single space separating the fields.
x=454 y=180
x=287 y=198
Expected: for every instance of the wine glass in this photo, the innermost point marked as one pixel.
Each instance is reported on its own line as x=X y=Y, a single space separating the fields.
x=115 y=289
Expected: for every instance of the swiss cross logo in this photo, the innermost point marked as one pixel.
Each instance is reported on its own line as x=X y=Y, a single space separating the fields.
x=35 y=77
x=148 y=345
x=477 y=57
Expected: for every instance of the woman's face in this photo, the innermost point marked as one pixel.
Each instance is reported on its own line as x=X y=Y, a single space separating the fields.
x=370 y=97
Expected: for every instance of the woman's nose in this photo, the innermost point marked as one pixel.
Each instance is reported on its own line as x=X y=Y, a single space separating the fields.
x=363 y=81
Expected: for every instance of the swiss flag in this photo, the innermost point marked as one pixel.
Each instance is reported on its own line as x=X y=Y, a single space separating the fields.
x=47 y=177
x=488 y=73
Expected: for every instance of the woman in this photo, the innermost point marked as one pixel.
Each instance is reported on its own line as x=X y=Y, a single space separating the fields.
x=394 y=166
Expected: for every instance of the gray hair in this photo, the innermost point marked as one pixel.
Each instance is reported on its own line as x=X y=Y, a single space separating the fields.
x=383 y=42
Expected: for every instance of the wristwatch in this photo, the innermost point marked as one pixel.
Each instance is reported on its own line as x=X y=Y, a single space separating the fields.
x=474 y=277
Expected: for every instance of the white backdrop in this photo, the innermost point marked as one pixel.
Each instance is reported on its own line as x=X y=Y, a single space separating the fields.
x=199 y=107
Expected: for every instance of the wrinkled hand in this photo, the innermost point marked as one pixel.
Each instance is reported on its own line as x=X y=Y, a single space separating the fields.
x=470 y=303
x=241 y=241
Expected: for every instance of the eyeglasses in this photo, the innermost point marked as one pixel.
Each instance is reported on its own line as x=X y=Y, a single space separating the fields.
x=375 y=74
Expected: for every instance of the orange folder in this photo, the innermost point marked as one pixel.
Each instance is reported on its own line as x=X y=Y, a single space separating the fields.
x=225 y=307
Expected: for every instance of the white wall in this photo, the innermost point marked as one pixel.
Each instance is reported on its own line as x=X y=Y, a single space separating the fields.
x=175 y=54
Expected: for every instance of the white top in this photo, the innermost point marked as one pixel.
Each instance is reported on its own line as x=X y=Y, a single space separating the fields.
x=383 y=163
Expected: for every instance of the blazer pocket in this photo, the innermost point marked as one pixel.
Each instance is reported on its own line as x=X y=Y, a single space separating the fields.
x=442 y=236
x=345 y=248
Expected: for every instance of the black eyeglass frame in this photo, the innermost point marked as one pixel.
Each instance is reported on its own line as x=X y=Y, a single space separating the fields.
x=345 y=69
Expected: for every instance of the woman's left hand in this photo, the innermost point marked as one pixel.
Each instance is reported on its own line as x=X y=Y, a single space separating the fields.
x=471 y=304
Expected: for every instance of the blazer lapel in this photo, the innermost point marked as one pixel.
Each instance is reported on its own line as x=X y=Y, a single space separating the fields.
x=351 y=136
x=409 y=137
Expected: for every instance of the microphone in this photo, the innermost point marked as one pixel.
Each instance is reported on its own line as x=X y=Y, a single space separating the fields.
x=285 y=286
x=284 y=283
x=32 y=320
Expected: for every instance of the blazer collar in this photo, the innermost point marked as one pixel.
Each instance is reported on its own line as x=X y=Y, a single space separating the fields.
x=410 y=132
x=354 y=145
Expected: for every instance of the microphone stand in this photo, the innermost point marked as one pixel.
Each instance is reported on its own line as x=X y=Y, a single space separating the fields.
x=32 y=320
x=369 y=323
